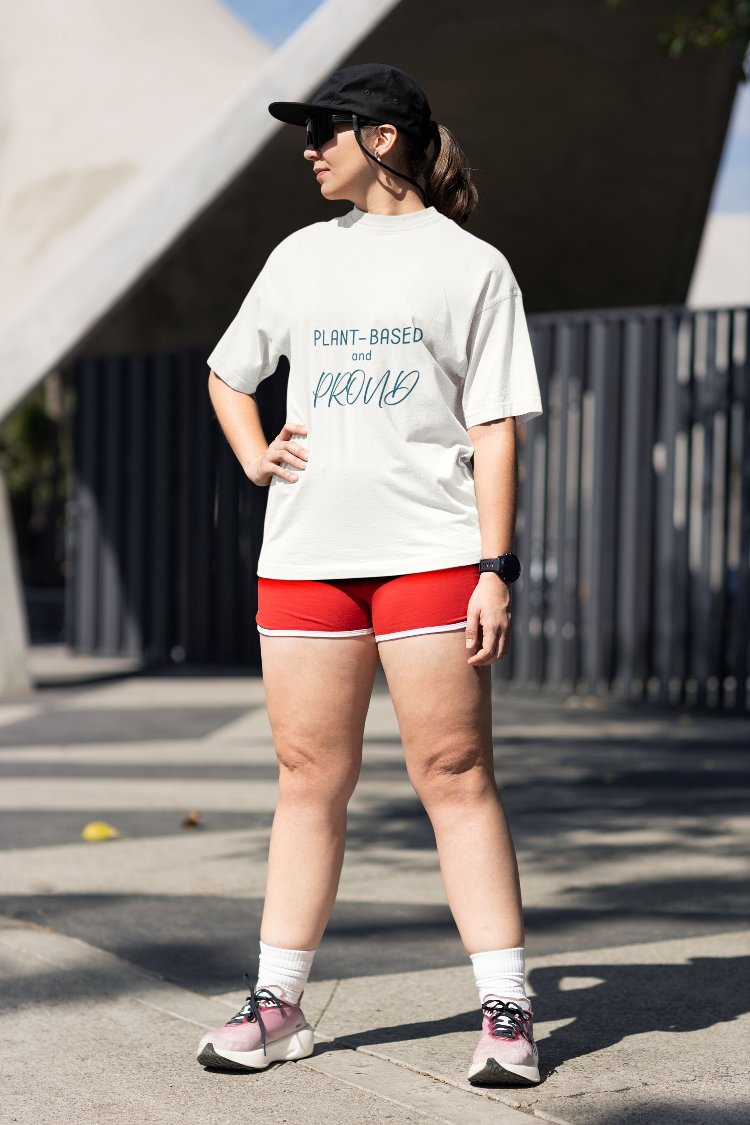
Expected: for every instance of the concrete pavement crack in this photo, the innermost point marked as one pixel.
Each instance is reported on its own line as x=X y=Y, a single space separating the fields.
x=327 y=1004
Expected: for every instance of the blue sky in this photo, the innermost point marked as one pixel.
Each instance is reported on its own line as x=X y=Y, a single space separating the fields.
x=732 y=187
x=275 y=20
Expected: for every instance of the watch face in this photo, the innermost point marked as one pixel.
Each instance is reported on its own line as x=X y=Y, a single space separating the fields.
x=510 y=567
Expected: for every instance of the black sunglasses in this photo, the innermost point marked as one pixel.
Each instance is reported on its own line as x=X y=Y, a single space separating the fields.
x=321 y=126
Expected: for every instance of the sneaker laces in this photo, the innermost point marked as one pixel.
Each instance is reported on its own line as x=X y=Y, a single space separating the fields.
x=507 y=1019
x=250 y=1010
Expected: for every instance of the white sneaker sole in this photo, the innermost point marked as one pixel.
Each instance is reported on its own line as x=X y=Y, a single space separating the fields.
x=299 y=1045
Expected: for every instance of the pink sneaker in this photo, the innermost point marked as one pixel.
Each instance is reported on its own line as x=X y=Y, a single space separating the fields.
x=506 y=1054
x=266 y=1029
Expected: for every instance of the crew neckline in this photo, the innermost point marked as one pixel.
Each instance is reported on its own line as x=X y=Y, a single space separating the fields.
x=369 y=220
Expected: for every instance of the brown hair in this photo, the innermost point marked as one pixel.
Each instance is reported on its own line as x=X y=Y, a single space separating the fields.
x=445 y=175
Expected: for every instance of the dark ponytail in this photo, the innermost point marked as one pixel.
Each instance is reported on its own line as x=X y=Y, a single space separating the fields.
x=448 y=183
x=445 y=174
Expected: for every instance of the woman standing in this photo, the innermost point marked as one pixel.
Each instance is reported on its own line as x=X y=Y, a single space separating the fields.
x=389 y=531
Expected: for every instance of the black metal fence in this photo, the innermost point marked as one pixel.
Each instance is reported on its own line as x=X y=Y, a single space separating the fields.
x=633 y=524
x=634 y=508
x=164 y=529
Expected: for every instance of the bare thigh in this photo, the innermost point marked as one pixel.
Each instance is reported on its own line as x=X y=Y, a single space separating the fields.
x=318 y=691
x=443 y=706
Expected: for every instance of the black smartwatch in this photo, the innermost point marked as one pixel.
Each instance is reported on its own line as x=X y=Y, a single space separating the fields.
x=507 y=566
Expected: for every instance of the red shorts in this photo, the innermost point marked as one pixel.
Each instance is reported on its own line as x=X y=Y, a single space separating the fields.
x=402 y=605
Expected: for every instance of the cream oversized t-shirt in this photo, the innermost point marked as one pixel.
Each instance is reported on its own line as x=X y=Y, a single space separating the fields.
x=401 y=331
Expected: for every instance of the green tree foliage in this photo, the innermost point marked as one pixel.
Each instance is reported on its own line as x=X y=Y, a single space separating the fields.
x=34 y=459
x=721 y=23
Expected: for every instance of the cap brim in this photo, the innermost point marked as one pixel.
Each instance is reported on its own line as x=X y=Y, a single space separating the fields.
x=294 y=113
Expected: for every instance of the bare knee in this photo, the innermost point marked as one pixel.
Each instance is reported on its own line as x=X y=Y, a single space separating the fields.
x=455 y=771
x=311 y=773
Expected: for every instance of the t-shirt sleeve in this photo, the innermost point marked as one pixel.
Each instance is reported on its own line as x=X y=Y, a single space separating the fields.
x=250 y=349
x=501 y=377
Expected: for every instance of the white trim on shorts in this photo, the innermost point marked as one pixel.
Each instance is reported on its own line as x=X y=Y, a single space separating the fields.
x=310 y=632
x=359 y=632
x=416 y=632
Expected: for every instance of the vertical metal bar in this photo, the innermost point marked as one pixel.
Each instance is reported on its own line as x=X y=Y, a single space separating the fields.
x=564 y=474
x=73 y=421
x=586 y=617
x=670 y=521
x=601 y=622
x=88 y=572
x=134 y=484
x=161 y=499
x=630 y=583
x=720 y=409
x=634 y=586
x=536 y=515
x=742 y=582
x=685 y=451
x=525 y=591
x=111 y=495
x=184 y=530
x=228 y=606
x=230 y=599
x=646 y=490
x=573 y=625
x=700 y=500
x=197 y=532
x=557 y=403
x=203 y=463
x=250 y=501
x=519 y=648
x=731 y=696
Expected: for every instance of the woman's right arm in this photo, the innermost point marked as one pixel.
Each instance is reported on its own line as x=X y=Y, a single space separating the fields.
x=239 y=418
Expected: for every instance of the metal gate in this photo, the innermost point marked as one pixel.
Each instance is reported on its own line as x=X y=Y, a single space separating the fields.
x=634 y=508
x=165 y=529
x=633 y=522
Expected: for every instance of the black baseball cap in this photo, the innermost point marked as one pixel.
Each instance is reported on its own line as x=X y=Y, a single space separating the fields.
x=374 y=91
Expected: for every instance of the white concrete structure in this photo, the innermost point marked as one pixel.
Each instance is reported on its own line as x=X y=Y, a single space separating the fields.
x=107 y=105
x=103 y=107
x=722 y=269
x=98 y=98
x=14 y=671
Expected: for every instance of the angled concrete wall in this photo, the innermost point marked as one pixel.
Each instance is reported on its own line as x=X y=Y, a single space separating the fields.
x=595 y=158
x=98 y=98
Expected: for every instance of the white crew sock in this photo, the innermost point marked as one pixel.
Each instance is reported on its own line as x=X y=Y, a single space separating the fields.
x=500 y=972
x=284 y=970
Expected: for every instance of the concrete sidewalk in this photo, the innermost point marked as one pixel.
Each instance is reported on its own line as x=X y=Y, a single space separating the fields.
x=631 y=830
